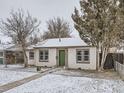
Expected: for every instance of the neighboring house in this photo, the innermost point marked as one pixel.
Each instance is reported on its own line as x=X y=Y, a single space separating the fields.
x=14 y=54
x=72 y=53
x=10 y=54
x=3 y=48
x=1 y=57
x=1 y=54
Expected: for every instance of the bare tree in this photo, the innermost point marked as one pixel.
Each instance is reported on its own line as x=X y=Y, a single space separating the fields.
x=57 y=28
x=19 y=27
x=100 y=23
x=34 y=39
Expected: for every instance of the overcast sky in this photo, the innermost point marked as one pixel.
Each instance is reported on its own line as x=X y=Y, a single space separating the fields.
x=42 y=9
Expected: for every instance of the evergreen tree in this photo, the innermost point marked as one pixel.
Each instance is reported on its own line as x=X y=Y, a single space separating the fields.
x=100 y=23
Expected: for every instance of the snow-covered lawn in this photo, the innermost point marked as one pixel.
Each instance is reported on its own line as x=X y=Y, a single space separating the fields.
x=52 y=83
x=20 y=67
x=10 y=76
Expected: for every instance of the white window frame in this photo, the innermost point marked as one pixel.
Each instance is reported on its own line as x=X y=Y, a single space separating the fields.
x=31 y=58
x=44 y=55
x=83 y=56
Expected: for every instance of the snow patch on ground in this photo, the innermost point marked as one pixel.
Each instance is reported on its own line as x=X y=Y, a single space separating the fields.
x=11 y=66
x=11 y=76
x=110 y=74
x=20 y=67
x=65 y=84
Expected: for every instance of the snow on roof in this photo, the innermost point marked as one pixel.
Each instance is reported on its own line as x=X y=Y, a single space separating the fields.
x=5 y=46
x=14 y=48
x=1 y=47
x=30 y=47
x=63 y=42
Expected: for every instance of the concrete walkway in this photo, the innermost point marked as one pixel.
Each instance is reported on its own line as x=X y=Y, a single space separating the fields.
x=9 y=86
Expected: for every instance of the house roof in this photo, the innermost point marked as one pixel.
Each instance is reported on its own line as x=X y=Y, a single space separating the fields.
x=5 y=46
x=1 y=47
x=30 y=47
x=63 y=42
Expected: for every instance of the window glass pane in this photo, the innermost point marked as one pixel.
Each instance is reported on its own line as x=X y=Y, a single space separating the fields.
x=41 y=57
x=46 y=52
x=79 y=55
x=86 y=55
x=46 y=57
x=86 y=58
x=86 y=52
x=78 y=52
x=41 y=52
x=79 y=58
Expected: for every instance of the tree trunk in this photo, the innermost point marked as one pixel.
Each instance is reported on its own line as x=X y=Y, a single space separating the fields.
x=98 y=57
x=5 y=61
x=25 y=56
x=104 y=55
x=25 y=60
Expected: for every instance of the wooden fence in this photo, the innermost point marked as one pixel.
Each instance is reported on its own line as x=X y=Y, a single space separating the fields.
x=120 y=69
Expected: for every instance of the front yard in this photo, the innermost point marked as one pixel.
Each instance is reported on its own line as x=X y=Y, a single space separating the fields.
x=20 y=67
x=16 y=72
x=17 y=67
x=11 y=76
x=61 y=81
x=73 y=81
x=52 y=83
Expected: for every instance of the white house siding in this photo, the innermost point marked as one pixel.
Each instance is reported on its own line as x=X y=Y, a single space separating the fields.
x=72 y=59
x=51 y=60
x=31 y=61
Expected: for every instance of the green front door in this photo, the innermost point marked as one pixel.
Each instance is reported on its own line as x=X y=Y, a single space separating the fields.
x=61 y=57
x=1 y=60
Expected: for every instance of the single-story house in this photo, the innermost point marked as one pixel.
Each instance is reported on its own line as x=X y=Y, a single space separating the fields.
x=14 y=54
x=31 y=55
x=72 y=53
x=1 y=54
x=3 y=48
x=10 y=53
